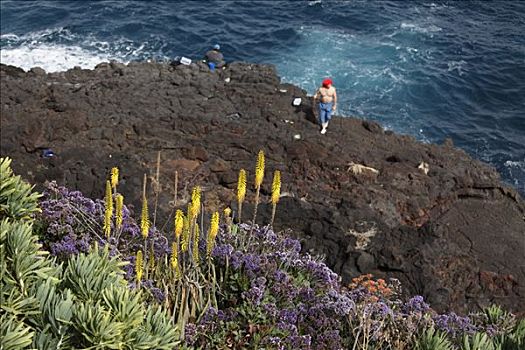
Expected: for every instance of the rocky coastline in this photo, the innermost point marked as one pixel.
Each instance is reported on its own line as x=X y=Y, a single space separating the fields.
x=368 y=200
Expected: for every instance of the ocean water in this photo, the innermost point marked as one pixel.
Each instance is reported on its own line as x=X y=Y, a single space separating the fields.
x=434 y=70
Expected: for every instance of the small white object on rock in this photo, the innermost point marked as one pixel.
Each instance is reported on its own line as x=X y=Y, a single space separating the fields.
x=424 y=167
x=227 y=80
x=185 y=61
x=297 y=136
x=296 y=101
x=283 y=90
x=360 y=168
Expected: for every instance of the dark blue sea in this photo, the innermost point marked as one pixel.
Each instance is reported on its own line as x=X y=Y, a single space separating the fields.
x=434 y=70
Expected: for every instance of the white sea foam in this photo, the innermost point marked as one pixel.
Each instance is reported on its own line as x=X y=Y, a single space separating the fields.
x=515 y=164
x=57 y=49
x=458 y=66
x=52 y=58
x=413 y=27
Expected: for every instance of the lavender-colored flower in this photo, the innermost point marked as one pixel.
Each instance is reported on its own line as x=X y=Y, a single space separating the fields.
x=288 y=316
x=270 y=309
x=190 y=332
x=454 y=324
x=65 y=247
x=300 y=341
x=251 y=262
x=416 y=305
x=222 y=251
x=281 y=276
x=237 y=259
x=292 y=245
x=254 y=295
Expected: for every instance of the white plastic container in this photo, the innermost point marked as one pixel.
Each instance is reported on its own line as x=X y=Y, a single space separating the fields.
x=185 y=61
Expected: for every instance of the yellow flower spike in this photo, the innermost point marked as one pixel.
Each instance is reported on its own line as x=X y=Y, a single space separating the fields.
x=108 y=213
x=144 y=219
x=109 y=198
x=195 y=251
x=195 y=201
x=114 y=177
x=228 y=219
x=276 y=187
x=241 y=192
x=139 y=265
x=119 y=199
x=185 y=235
x=276 y=193
x=107 y=224
x=212 y=234
x=179 y=223
x=241 y=186
x=259 y=169
x=214 y=225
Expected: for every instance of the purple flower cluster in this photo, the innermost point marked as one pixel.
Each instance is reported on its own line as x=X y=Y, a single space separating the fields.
x=454 y=325
x=71 y=223
x=298 y=297
x=271 y=294
x=67 y=220
x=256 y=293
x=416 y=305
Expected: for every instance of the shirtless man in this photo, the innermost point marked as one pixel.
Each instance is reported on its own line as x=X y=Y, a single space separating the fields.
x=327 y=98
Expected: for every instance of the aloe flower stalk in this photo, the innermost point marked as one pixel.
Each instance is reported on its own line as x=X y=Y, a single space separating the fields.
x=139 y=266
x=212 y=233
x=179 y=223
x=259 y=175
x=276 y=192
x=227 y=218
x=195 y=201
x=119 y=207
x=114 y=178
x=241 y=191
x=259 y=169
x=108 y=214
x=144 y=218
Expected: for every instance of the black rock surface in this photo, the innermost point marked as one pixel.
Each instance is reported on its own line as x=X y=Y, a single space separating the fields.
x=455 y=235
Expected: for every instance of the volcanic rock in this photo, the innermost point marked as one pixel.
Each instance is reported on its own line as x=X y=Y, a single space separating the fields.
x=455 y=235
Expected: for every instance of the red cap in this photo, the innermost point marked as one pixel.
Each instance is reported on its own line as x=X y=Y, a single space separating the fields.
x=327 y=82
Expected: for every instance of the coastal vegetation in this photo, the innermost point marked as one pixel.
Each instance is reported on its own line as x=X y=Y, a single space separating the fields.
x=83 y=273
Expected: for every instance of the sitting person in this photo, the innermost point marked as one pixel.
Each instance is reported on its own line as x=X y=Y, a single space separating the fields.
x=215 y=56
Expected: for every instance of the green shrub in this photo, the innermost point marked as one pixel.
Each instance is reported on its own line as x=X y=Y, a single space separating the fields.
x=477 y=341
x=85 y=305
x=433 y=340
x=17 y=201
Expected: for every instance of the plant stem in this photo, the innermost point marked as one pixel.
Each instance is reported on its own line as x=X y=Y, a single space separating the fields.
x=156 y=188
